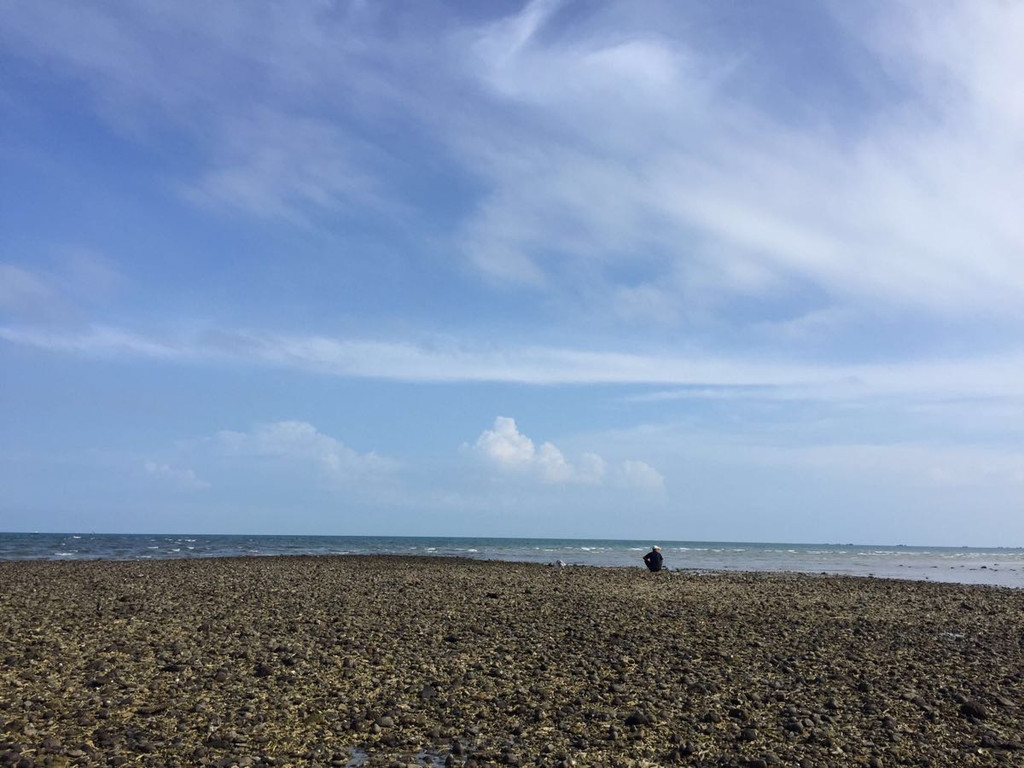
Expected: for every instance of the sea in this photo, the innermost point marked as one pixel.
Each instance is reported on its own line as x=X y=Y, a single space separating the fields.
x=997 y=566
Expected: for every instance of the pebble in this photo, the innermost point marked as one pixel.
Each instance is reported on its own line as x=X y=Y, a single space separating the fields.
x=394 y=657
x=974 y=709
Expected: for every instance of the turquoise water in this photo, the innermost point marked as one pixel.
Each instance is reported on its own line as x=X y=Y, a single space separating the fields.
x=995 y=566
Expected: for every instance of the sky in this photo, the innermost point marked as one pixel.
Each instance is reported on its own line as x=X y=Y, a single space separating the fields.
x=651 y=270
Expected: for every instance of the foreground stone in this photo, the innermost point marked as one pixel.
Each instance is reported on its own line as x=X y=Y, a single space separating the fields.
x=399 y=661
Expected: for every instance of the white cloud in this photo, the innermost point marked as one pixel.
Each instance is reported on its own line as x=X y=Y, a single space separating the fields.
x=77 y=278
x=268 y=98
x=718 y=196
x=278 y=165
x=99 y=341
x=301 y=443
x=992 y=375
x=592 y=468
x=603 y=147
x=505 y=446
x=23 y=291
x=510 y=451
x=639 y=474
x=185 y=479
x=554 y=468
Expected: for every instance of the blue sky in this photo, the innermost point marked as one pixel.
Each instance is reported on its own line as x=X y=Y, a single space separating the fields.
x=720 y=271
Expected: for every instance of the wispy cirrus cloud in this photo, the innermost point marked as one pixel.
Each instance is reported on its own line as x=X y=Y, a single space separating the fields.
x=292 y=167
x=23 y=292
x=704 y=195
x=267 y=102
x=98 y=341
x=627 y=168
x=448 y=360
x=76 y=281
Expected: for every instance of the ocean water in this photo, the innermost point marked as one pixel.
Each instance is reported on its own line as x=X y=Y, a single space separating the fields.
x=968 y=565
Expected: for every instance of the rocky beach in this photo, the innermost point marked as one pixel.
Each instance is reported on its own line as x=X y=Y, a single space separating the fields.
x=391 y=661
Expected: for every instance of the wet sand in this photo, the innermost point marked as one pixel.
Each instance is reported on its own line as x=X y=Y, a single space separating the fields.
x=397 y=661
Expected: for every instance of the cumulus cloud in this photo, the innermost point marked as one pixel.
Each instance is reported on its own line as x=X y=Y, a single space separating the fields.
x=185 y=479
x=505 y=445
x=508 y=450
x=639 y=474
x=301 y=443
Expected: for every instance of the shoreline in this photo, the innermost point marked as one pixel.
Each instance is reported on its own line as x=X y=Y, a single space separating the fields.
x=300 y=659
x=956 y=565
x=673 y=571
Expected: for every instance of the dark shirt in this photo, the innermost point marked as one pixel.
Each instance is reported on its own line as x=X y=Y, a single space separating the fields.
x=653 y=560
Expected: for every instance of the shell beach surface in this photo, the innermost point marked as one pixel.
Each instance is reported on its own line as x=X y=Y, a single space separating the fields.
x=390 y=661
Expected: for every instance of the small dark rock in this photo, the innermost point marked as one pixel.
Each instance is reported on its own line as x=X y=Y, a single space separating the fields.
x=637 y=717
x=104 y=739
x=973 y=709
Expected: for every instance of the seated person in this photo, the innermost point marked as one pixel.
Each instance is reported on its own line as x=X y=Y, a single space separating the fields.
x=653 y=559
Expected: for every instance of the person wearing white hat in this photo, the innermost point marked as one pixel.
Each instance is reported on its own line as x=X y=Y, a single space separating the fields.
x=653 y=559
